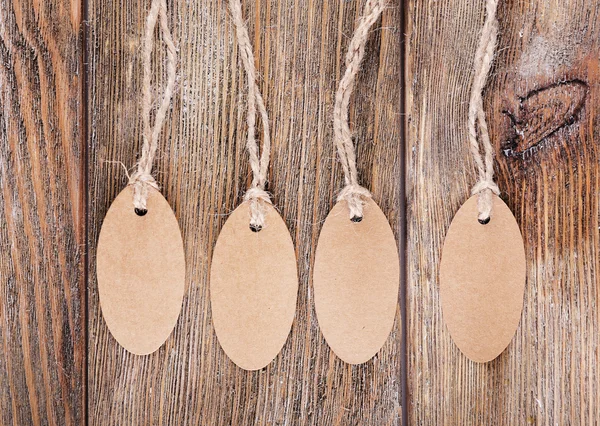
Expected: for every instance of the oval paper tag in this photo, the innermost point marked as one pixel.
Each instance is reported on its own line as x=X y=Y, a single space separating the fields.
x=356 y=280
x=253 y=288
x=482 y=280
x=141 y=272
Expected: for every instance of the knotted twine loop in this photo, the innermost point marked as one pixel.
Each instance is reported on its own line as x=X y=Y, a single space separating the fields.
x=353 y=193
x=485 y=167
x=142 y=179
x=256 y=194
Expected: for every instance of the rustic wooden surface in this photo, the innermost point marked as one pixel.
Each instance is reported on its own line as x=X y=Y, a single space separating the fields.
x=542 y=105
x=203 y=171
x=42 y=222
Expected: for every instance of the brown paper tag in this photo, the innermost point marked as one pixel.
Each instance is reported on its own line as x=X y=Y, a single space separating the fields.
x=141 y=272
x=356 y=280
x=253 y=288
x=482 y=280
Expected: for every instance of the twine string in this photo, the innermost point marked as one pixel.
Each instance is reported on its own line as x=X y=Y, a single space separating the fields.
x=484 y=56
x=256 y=194
x=354 y=194
x=142 y=178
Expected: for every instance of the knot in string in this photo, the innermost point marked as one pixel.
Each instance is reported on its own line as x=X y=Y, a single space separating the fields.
x=353 y=192
x=484 y=56
x=141 y=183
x=257 y=198
x=485 y=185
x=142 y=179
x=355 y=196
x=485 y=188
x=259 y=165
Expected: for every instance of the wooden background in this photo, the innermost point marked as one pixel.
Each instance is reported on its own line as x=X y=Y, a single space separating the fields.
x=69 y=96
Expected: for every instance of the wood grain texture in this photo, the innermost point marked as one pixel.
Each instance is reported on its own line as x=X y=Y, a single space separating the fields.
x=203 y=171
x=42 y=233
x=542 y=106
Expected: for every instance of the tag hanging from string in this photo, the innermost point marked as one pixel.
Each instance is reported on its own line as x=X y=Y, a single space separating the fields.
x=356 y=273
x=482 y=270
x=253 y=278
x=140 y=257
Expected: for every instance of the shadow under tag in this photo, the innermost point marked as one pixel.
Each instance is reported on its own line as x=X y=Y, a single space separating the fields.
x=141 y=272
x=482 y=280
x=356 y=281
x=253 y=288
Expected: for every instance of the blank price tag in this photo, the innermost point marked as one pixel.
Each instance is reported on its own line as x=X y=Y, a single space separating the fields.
x=141 y=272
x=356 y=281
x=253 y=288
x=482 y=280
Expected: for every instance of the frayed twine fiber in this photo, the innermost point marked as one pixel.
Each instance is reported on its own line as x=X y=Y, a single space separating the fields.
x=256 y=194
x=354 y=194
x=484 y=56
x=142 y=178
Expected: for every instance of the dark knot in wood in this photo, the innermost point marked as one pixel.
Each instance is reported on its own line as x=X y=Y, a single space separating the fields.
x=541 y=113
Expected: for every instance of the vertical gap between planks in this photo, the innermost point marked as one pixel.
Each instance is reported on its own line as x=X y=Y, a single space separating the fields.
x=85 y=191
x=402 y=216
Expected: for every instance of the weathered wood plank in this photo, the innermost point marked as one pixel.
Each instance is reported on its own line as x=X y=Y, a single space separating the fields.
x=203 y=170
x=542 y=105
x=42 y=216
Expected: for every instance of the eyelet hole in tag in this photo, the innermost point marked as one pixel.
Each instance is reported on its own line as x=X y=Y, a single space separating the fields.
x=255 y=228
